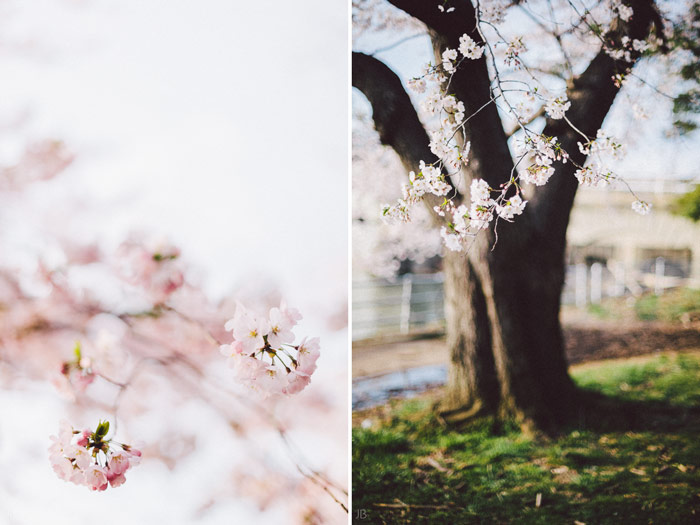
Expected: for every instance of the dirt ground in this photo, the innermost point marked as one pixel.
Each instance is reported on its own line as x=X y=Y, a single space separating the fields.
x=585 y=341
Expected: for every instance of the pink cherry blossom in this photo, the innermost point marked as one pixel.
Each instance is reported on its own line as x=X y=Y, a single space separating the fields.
x=292 y=314
x=153 y=268
x=248 y=329
x=262 y=355
x=115 y=480
x=95 y=478
x=133 y=454
x=83 y=440
x=232 y=349
x=118 y=463
x=62 y=466
x=89 y=458
x=280 y=328
x=297 y=382
x=309 y=352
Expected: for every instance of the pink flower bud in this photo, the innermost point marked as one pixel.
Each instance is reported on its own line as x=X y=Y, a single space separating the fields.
x=83 y=440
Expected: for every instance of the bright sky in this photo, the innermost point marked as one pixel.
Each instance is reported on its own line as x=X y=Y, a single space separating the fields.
x=218 y=123
x=650 y=153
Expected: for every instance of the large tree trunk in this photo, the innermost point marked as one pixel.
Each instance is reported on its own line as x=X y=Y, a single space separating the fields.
x=472 y=383
x=522 y=292
x=503 y=297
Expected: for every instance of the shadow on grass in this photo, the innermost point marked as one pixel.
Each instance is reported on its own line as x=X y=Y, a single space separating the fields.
x=629 y=454
x=603 y=413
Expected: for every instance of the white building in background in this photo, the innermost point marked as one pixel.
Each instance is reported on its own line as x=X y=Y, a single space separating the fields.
x=612 y=251
x=636 y=249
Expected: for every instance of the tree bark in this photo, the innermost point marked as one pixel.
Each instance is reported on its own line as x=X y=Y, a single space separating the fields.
x=502 y=303
x=473 y=386
x=472 y=382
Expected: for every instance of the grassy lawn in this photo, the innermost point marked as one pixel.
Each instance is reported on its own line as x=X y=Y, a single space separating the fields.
x=409 y=468
x=676 y=305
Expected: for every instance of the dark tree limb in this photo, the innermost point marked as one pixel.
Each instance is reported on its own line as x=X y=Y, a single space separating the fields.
x=393 y=113
x=394 y=116
x=452 y=26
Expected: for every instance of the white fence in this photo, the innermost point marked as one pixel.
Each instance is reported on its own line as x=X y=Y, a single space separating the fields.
x=412 y=302
x=416 y=302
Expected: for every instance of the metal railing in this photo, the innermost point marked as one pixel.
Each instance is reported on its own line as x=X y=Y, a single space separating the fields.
x=415 y=302
x=411 y=302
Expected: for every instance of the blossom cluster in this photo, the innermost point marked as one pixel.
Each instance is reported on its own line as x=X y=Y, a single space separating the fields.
x=557 y=106
x=543 y=151
x=624 y=11
x=78 y=372
x=153 y=267
x=493 y=11
x=626 y=49
x=263 y=355
x=641 y=207
x=469 y=48
x=602 y=144
x=594 y=176
x=87 y=458
x=515 y=48
x=451 y=112
x=468 y=221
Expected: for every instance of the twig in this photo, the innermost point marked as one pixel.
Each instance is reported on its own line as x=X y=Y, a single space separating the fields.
x=409 y=507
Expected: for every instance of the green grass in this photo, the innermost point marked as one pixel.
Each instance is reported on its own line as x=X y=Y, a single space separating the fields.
x=478 y=475
x=671 y=306
x=676 y=305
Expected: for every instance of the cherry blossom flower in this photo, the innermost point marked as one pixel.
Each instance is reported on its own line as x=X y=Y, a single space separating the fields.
x=448 y=58
x=480 y=192
x=515 y=48
x=602 y=144
x=248 y=329
x=153 y=267
x=396 y=213
x=493 y=11
x=453 y=241
x=262 y=354
x=417 y=85
x=557 y=106
x=95 y=478
x=594 y=176
x=544 y=151
x=309 y=352
x=512 y=207
x=641 y=207
x=469 y=48
x=625 y=12
x=280 y=328
x=88 y=458
x=77 y=374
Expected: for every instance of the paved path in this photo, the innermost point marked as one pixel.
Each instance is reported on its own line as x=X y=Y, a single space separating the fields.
x=585 y=342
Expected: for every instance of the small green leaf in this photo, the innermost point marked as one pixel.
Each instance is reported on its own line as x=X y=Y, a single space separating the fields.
x=102 y=429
